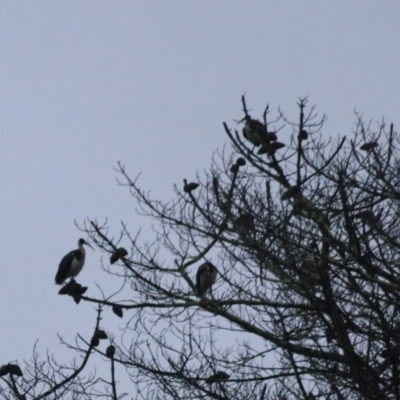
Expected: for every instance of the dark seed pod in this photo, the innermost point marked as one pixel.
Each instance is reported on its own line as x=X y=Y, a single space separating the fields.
x=110 y=351
x=265 y=148
x=189 y=187
x=218 y=376
x=77 y=298
x=303 y=135
x=4 y=370
x=277 y=145
x=95 y=341
x=118 y=254
x=100 y=334
x=65 y=289
x=74 y=289
x=368 y=146
x=82 y=289
x=14 y=369
x=234 y=169
x=271 y=136
x=241 y=162
x=117 y=310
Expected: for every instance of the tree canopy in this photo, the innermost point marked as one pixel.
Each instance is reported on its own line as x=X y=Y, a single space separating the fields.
x=272 y=275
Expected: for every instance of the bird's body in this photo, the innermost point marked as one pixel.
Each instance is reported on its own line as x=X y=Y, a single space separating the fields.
x=205 y=278
x=71 y=264
x=218 y=376
x=254 y=131
x=189 y=187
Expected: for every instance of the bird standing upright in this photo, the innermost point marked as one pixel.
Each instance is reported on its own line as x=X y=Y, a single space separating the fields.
x=205 y=278
x=254 y=131
x=72 y=263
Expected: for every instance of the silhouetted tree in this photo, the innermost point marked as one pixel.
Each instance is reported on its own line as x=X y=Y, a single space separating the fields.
x=304 y=233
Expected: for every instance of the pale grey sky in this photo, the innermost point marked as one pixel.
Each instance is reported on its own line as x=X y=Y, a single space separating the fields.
x=85 y=84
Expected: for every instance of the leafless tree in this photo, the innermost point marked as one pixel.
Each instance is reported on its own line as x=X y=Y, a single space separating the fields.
x=303 y=231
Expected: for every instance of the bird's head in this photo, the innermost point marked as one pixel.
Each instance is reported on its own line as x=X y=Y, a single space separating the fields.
x=81 y=242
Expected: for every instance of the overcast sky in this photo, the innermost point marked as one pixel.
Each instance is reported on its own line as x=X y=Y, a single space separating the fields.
x=85 y=84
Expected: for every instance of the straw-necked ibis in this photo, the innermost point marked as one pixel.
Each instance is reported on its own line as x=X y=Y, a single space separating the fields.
x=205 y=278
x=72 y=263
x=189 y=187
x=254 y=131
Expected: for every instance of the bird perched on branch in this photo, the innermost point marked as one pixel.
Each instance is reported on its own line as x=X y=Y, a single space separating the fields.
x=254 y=131
x=189 y=187
x=72 y=263
x=369 y=146
x=218 y=376
x=205 y=278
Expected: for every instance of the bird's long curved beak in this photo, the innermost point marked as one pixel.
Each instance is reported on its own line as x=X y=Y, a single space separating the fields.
x=87 y=244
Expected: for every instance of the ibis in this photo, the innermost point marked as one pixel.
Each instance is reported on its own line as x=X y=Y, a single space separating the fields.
x=218 y=376
x=368 y=146
x=254 y=131
x=72 y=263
x=205 y=278
x=189 y=187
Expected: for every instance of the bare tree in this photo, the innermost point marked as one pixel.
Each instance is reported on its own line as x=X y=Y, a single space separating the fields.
x=273 y=276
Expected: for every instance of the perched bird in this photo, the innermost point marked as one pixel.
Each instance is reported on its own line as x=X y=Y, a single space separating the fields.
x=118 y=254
x=368 y=146
x=72 y=263
x=218 y=376
x=254 y=131
x=205 y=278
x=189 y=187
